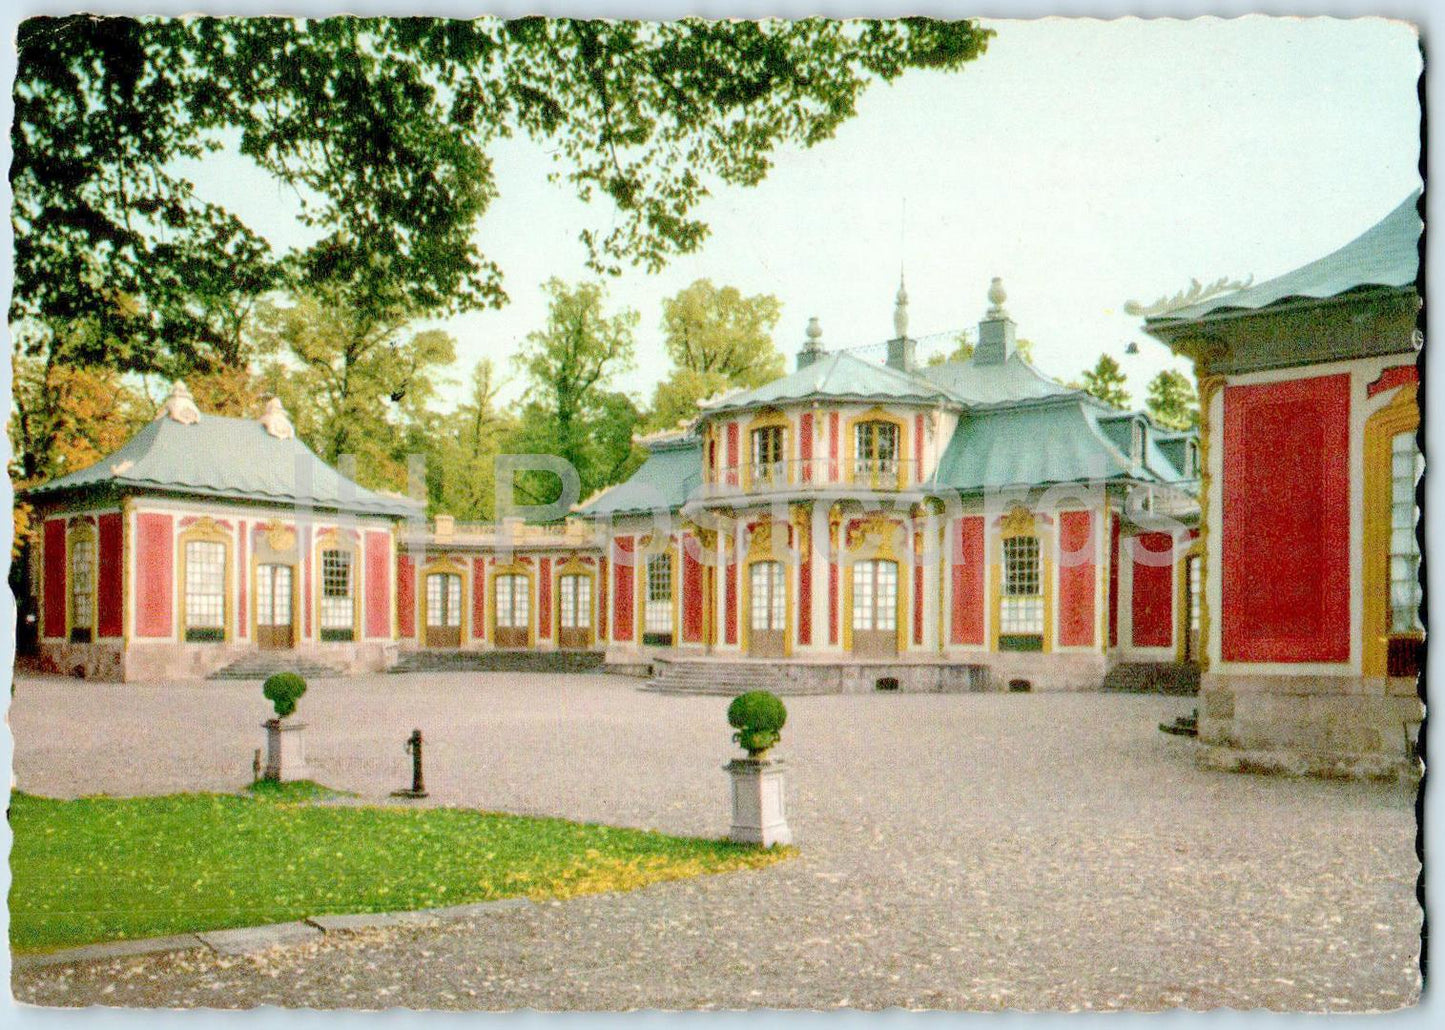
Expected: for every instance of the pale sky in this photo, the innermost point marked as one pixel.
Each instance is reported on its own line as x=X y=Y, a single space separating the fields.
x=1085 y=162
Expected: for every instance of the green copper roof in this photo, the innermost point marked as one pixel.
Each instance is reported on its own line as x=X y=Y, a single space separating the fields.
x=230 y=458
x=994 y=383
x=1385 y=255
x=1063 y=441
x=661 y=483
x=839 y=376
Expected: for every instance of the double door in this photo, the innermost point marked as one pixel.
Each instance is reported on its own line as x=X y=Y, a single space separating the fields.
x=443 y=609
x=275 y=607
x=574 y=611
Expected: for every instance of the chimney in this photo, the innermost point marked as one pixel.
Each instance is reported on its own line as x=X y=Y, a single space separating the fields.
x=997 y=333
x=902 y=352
x=812 y=346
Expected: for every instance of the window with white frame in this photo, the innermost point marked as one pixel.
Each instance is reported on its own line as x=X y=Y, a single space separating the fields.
x=576 y=601
x=82 y=588
x=205 y=584
x=1021 y=608
x=767 y=597
x=875 y=448
x=769 y=463
x=338 y=597
x=514 y=601
x=875 y=596
x=1407 y=464
x=657 y=613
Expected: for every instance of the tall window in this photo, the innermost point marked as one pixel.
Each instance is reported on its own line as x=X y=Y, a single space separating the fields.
x=513 y=601
x=657 y=617
x=875 y=449
x=875 y=596
x=205 y=582
x=767 y=596
x=338 y=598
x=82 y=589
x=1021 y=608
x=769 y=464
x=1406 y=466
x=576 y=601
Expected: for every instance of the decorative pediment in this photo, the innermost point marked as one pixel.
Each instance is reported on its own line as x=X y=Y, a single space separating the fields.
x=1018 y=522
x=877 y=529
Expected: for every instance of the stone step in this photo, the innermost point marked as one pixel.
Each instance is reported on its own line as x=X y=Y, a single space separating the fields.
x=726 y=679
x=253 y=668
x=1179 y=678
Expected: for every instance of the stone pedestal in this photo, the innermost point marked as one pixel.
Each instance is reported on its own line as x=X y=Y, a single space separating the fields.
x=759 y=816
x=285 y=751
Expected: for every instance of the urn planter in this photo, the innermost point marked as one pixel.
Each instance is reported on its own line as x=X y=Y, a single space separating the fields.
x=759 y=811
x=285 y=751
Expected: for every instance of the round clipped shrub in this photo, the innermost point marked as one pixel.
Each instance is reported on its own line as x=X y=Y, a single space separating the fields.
x=757 y=716
x=283 y=690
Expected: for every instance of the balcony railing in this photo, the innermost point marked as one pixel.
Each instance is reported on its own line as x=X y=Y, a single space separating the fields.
x=804 y=474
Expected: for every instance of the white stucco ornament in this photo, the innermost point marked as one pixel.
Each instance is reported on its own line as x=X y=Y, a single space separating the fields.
x=996 y=297
x=181 y=406
x=276 y=421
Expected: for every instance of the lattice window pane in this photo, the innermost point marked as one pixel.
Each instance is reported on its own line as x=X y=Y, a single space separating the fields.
x=863 y=576
x=435 y=600
x=1407 y=464
x=205 y=607
x=886 y=608
x=1193 y=567
x=1021 y=566
x=659 y=577
x=82 y=584
x=454 y=600
x=1021 y=615
x=338 y=604
x=513 y=601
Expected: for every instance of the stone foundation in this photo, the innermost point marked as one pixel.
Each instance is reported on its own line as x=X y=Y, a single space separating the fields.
x=111 y=661
x=1056 y=671
x=1308 y=725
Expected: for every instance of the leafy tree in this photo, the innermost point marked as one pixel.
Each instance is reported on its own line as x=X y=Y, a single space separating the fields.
x=66 y=417
x=350 y=384
x=462 y=447
x=569 y=411
x=675 y=399
x=962 y=349
x=1106 y=381
x=380 y=129
x=1172 y=400
x=1025 y=348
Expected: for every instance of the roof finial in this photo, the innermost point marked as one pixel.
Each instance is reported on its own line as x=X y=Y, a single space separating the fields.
x=275 y=420
x=900 y=310
x=996 y=297
x=814 y=332
x=180 y=405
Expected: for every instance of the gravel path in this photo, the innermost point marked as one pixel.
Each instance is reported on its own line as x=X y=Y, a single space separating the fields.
x=957 y=851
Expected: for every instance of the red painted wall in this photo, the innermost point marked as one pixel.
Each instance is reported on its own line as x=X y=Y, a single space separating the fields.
x=732 y=454
x=1397 y=375
x=832 y=602
x=155 y=578
x=1152 y=598
x=692 y=600
x=602 y=595
x=378 y=584
x=55 y=573
x=1285 y=588
x=805 y=600
x=405 y=596
x=110 y=589
x=730 y=604
x=622 y=586
x=1114 y=581
x=243 y=580
x=805 y=444
x=833 y=446
x=544 y=600
x=918 y=447
x=1076 y=581
x=968 y=581
x=479 y=598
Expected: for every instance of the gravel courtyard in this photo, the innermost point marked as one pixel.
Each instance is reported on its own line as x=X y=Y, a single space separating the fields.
x=986 y=851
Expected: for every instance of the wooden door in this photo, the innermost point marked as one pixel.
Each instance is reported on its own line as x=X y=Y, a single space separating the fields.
x=767 y=609
x=512 y=603
x=275 y=613
x=443 y=609
x=875 y=609
x=574 y=611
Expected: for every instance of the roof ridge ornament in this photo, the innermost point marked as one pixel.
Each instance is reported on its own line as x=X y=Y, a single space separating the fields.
x=900 y=310
x=1193 y=294
x=275 y=420
x=180 y=405
x=996 y=297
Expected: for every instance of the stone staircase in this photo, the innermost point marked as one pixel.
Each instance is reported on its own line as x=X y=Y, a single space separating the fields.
x=1153 y=678
x=433 y=660
x=261 y=665
x=728 y=678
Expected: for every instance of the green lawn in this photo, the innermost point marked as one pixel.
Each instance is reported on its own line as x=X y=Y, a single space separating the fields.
x=102 y=868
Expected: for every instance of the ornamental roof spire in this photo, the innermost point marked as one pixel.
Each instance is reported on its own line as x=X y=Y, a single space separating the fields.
x=996 y=297
x=180 y=405
x=900 y=310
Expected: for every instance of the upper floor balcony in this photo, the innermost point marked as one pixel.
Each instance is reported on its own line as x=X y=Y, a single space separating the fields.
x=805 y=475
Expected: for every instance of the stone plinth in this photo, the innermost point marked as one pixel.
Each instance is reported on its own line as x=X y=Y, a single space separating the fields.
x=759 y=815
x=285 y=751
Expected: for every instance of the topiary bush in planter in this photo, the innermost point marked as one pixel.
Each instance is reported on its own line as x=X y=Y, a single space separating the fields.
x=757 y=716
x=283 y=690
